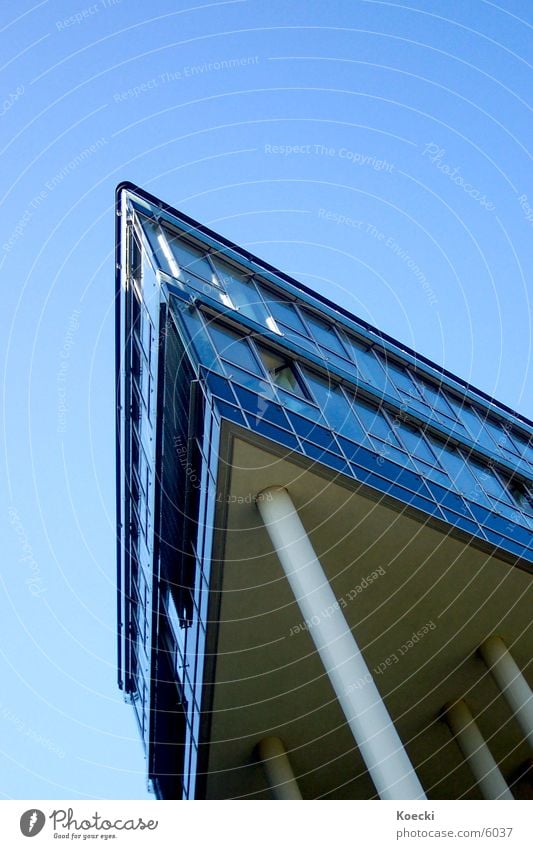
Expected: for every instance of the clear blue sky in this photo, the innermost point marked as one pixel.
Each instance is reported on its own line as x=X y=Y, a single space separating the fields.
x=375 y=150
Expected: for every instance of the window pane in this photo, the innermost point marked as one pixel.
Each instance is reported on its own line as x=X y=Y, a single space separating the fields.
x=459 y=472
x=473 y=424
x=413 y=439
x=490 y=482
x=281 y=371
x=370 y=367
x=386 y=449
x=304 y=341
x=153 y=233
x=435 y=397
x=500 y=436
x=233 y=347
x=283 y=311
x=251 y=381
x=510 y=512
x=199 y=340
x=432 y=473
x=324 y=334
x=300 y=405
x=400 y=377
x=336 y=407
x=189 y=257
x=374 y=422
x=522 y=496
x=525 y=447
x=241 y=290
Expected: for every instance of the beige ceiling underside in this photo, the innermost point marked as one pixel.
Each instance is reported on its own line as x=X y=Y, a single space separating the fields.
x=271 y=681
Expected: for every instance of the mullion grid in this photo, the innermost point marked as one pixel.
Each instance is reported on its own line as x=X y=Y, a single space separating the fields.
x=417 y=381
x=394 y=440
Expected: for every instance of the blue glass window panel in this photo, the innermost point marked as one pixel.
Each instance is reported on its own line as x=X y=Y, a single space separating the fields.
x=503 y=542
x=261 y=408
x=413 y=404
x=209 y=522
x=506 y=441
x=203 y=287
x=370 y=367
x=204 y=600
x=357 y=453
x=327 y=457
x=448 y=499
x=329 y=360
x=318 y=387
x=521 y=534
x=461 y=521
x=241 y=290
x=433 y=473
x=481 y=514
x=189 y=257
x=145 y=385
x=300 y=340
x=365 y=475
x=152 y=231
x=522 y=497
x=387 y=486
x=385 y=449
x=399 y=377
x=230 y=412
x=459 y=472
x=220 y=386
x=145 y=334
x=283 y=437
x=292 y=402
x=233 y=347
x=512 y=457
x=307 y=429
x=509 y=512
x=414 y=441
x=490 y=483
x=335 y=406
x=436 y=399
x=191 y=320
x=324 y=334
x=174 y=622
x=256 y=384
x=406 y=387
x=281 y=371
x=498 y=434
x=473 y=424
x=524 y=446
x=283 y=310
x=374 y=422
x=407 y=479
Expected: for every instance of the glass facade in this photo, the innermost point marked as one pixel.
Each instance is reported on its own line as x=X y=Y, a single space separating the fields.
x=208 y=334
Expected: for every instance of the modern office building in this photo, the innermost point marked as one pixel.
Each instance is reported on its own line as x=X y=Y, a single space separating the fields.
x=324 y=540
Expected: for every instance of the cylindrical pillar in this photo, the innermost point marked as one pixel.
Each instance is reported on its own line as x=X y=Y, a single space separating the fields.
x=368 y=718
x=278 y=771
x=475 y=751
x=511 y=682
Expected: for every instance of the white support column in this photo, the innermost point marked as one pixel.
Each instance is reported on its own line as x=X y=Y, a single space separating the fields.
x=511 y=682
x=278 y=771
x=368 y=718
x=475 y=751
